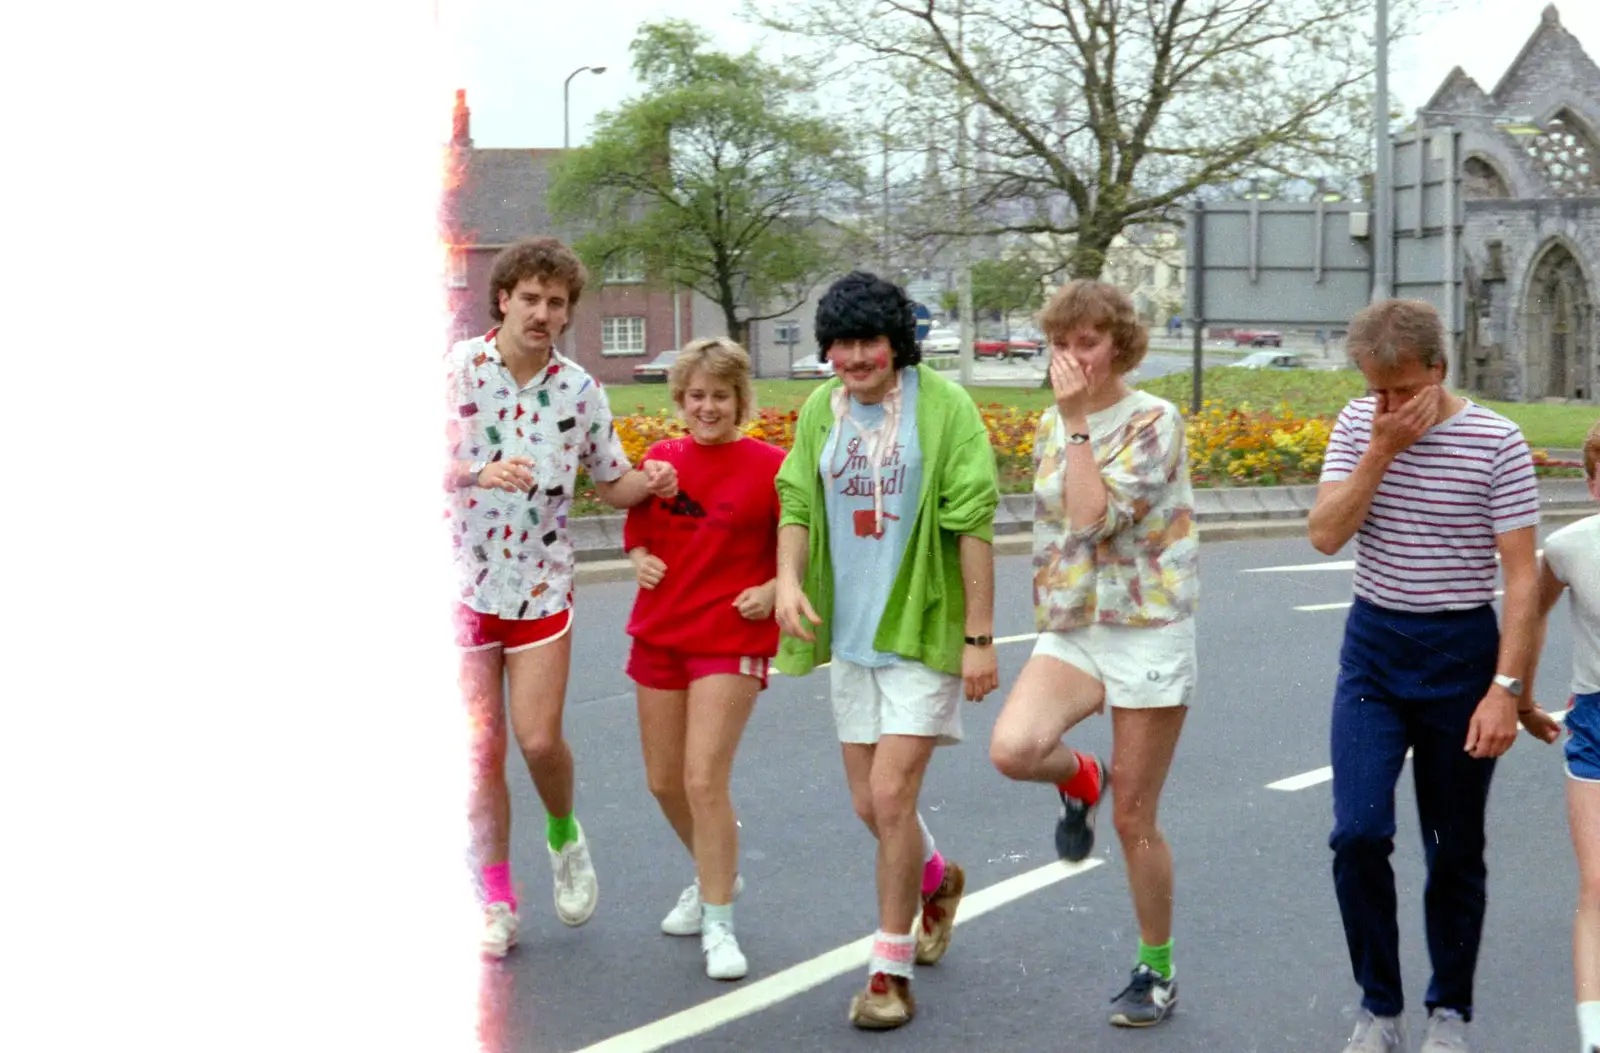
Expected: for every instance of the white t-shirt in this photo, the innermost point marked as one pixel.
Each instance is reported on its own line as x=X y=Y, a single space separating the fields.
x=1573 y=554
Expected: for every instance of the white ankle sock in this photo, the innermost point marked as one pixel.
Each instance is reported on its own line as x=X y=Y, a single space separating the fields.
x=712 y=913
x=892 y=954
x=1589 y=1024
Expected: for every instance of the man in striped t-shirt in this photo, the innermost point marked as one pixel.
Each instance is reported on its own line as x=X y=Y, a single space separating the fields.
x=1433 y=488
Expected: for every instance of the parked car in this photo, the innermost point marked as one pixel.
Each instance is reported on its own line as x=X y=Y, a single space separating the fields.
x=655 y=370
x=1016 y=347
x=941 y=341
x=1269 y=360
x=811 y=367
x=1257 y=338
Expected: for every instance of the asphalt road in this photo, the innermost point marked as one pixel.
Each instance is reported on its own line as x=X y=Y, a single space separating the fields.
x=1259 y=949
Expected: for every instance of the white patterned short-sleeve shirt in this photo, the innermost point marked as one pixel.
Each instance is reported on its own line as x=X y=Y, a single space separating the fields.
x=513 y=554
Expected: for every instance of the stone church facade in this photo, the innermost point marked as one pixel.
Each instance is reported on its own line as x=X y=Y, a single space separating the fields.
x=1530 y=168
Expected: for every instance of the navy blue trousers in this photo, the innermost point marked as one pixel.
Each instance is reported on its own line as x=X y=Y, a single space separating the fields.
x=1411 y=681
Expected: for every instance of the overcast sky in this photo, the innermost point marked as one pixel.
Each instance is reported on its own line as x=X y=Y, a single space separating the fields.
x=512 y=55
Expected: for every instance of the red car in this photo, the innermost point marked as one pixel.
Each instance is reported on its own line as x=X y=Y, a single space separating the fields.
x=1016 y=347
x=1257 y=338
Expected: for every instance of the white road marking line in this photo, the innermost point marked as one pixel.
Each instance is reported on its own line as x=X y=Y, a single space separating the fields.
x=1308 y=779
x=1347 y=603
x=797 y=979
x=1020 y=638
x=1338 y=564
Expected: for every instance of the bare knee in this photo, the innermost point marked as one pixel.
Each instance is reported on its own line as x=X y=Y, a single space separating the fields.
x=542 y=748
x=892 y=798
x=861 y=801
x=704 y=790
x=1135 y=822
x=1015 y=756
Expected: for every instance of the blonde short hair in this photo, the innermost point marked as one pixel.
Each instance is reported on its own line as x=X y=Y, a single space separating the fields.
x=1104 y=307
x=1591 y=451
x=723 y=360
x=1391 y=330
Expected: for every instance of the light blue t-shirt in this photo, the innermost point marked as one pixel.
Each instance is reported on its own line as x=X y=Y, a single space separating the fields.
x=865 y=562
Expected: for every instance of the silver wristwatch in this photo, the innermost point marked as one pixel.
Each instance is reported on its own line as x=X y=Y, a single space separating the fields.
x=1510 y=683
x=476 y=468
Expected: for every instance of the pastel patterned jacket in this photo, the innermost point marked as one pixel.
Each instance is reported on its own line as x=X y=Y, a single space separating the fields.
x=1139 y=565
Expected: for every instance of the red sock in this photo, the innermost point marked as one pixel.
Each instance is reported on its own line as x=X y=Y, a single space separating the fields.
x=1084 y=786
x=932 y=875
x=497 y=885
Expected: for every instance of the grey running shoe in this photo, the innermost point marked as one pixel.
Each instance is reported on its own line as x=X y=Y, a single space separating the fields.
x=1447 y=1032
x=1146 y=1001
x=1378 y=1034
x=1075 y=827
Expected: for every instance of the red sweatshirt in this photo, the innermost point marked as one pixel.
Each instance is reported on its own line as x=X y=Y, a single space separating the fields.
x=718 y=537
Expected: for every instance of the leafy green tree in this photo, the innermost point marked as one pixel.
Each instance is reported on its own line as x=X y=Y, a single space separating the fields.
x=716 y=178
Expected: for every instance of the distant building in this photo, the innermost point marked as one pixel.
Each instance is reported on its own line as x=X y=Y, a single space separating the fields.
x=495 y=197
x=1530 y=168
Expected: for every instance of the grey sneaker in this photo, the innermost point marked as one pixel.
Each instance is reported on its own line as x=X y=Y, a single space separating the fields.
x=1447 y=1032
x=1378 y=1034
x=1146 y=1001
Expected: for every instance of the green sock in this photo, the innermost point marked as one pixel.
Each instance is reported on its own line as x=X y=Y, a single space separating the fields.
x=1157 y=958
x=560 y=832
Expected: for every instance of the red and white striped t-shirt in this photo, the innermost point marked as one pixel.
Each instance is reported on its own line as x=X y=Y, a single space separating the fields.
x=1428 y=542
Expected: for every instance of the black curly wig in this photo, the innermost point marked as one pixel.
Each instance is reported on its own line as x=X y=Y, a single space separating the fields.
x=862 y=306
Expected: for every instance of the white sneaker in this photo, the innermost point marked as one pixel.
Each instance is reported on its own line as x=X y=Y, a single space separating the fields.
x=577 y=889
x=499 y=930
x=1378 y=1034
x=684 y=919
x=724 y=960
x=1447 y=1032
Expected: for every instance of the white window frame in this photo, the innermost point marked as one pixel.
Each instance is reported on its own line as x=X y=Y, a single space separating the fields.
x=623 y=268
x=611 y=328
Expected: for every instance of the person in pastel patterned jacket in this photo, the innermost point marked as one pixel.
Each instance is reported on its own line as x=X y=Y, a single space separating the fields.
x=1116 y=581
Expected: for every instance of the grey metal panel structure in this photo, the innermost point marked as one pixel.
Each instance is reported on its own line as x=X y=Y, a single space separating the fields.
x=1294 y=263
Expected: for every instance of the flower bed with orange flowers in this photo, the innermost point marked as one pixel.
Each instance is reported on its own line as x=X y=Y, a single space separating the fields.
x=1228 y=445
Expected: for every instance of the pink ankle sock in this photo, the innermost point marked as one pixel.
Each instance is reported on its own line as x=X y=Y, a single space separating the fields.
x=932 y=874
x=497 y=885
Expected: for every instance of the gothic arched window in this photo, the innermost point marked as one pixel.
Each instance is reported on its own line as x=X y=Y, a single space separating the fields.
x=1480 y=179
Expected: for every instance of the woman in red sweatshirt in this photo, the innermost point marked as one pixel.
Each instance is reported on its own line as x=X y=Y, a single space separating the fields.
x=703 y=630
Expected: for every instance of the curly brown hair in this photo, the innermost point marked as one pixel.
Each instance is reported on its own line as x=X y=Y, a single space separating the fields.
x=544 y=258
x=1105 y=307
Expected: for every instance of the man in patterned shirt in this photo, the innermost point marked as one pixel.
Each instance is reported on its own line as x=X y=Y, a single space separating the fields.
x=1432 y=487
x=523 y=420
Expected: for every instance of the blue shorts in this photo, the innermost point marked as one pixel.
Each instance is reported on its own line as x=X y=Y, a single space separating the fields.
x=1583 y=738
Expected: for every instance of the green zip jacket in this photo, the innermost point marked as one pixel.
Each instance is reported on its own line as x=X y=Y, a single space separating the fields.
x=925 y=619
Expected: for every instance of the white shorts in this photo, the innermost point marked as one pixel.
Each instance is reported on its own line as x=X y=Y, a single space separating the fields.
x=1142 y=667
x=906 y=698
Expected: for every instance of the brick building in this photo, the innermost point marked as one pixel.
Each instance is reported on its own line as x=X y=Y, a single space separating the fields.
x=494 y=197
x=1531 y=239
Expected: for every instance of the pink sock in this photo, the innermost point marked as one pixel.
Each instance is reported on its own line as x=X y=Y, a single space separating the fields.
x=932 y=874
x=497 y=885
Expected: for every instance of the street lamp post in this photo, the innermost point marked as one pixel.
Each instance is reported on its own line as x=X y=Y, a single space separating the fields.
x=566 y=96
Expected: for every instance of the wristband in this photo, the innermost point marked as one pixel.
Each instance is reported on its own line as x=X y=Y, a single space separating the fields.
x=979 y=641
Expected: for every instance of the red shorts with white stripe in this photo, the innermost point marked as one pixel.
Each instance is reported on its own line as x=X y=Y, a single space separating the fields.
x=476 y=631
x=664 y=669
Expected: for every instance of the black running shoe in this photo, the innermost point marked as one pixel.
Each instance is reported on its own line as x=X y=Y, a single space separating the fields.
x=1146 y=1001
x=1075 y=827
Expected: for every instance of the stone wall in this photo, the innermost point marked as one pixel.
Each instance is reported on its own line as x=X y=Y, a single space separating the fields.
x=1523 y=230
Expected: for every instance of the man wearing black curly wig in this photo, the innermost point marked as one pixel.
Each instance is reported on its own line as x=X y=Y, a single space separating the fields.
x=886 y=573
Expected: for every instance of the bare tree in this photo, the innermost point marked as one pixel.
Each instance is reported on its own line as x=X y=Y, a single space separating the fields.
x=1094 y=115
